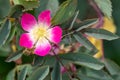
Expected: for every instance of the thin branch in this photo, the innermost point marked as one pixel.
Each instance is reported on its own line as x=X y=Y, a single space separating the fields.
x=103 y=57
x=76 y=15
x=68 y=34
x=62 y=64
x=100 y=16
x=98 y=11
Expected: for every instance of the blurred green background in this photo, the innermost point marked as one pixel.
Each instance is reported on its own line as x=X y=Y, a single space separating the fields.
x=112 y=48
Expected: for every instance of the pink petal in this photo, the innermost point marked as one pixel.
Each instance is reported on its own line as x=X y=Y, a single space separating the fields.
x=26 y=40
x=28 y=21
x=63 y=69
x=44 y=17
x=73 y=68
x=42 y=47
x=55 y=34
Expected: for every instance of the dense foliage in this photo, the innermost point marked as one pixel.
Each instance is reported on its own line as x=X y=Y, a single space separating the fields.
x=79 y=56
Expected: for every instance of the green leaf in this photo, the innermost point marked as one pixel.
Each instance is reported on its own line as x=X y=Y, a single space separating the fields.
x=14 y=56
x=112 y=67
x=26 y=69
x=65 y=76
x=1 y=21
x=86 y=24
x=38 y=60
x=56 y=73
x=28 y=4
x=12 y=33
x=73 y=21
x=21 y=71
x=98 y=74
x=85 y=42
x=75 y=79
x=49 y=60
x=16 y=11
x=11 y=75
x=52 y=5
x=116 y=77
x=39 y=74
x=83 y=7
x=105 y=6
x=65 y=12
x=101 y=34
x=22 y=74
x=48 y=77
x=4 y=32
x=5 y=50
x=83 y=60
x=4 y=8
x=84 y=77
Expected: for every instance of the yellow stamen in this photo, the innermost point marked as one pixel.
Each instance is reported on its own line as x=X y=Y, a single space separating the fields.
x=39 y=32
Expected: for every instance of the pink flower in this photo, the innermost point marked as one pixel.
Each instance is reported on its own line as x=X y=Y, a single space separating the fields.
x=39 y=33
x=71 y=67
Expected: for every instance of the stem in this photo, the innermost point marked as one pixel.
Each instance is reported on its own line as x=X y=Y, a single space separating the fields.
x=76 y=15
x=62 y=64
x=103 y=57
x=68 y=34
x=69 y=40
x=100 y=16
x=98 y=11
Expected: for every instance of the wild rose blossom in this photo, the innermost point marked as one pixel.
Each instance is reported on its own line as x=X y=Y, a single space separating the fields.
x=39 y=34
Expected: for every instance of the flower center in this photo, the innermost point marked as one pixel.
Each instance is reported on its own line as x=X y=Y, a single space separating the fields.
x=39 y=32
